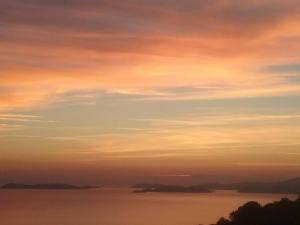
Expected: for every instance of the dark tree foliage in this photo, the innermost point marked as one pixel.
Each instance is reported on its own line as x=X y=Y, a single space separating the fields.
x=283 y=212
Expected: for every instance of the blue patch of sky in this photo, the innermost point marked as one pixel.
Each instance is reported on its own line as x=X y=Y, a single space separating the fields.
x=283 y=68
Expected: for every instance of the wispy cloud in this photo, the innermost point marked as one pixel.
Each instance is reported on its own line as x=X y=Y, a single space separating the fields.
x=19 y=117
x=222 y=119
x=23 y=118
x=264 y=164
x=7 y=127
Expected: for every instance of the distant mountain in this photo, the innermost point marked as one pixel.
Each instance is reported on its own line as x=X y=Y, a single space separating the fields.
x=285 y=187
x=291 y=186
x=43 y=186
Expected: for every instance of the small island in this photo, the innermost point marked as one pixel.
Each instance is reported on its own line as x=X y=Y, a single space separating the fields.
x=143 y=188
x=45 y=186
x=291 y=186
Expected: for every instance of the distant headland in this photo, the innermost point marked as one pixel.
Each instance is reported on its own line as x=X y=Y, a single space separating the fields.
x=45 y=186
x=291 y=186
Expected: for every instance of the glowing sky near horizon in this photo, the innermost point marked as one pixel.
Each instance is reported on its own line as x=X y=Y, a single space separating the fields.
x=149 y=88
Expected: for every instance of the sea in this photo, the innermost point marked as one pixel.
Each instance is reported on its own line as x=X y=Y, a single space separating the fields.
x=120 y=206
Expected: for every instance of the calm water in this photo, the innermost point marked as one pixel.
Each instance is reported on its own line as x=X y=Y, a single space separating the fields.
x=119 y=207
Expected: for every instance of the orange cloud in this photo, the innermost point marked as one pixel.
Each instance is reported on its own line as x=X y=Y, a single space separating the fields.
x=142 y=47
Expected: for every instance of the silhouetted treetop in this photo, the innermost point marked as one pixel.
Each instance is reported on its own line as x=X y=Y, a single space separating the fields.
x=283 y=212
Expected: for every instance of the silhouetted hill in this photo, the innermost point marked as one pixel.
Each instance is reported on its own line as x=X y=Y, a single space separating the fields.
x=284 y=188
x=283 y=212
x=42 y=186
x=291 y=186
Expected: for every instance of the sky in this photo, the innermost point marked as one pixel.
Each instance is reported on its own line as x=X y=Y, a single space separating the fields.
x=117 y=92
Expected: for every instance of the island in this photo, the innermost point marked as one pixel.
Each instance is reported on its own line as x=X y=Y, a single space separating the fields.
x=45 y=186
x=291 y=186
x=169 y=188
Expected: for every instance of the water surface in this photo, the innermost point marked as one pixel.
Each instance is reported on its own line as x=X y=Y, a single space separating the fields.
x=111 y=206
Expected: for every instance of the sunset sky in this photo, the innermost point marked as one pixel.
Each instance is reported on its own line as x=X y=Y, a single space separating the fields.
x=121 y=91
